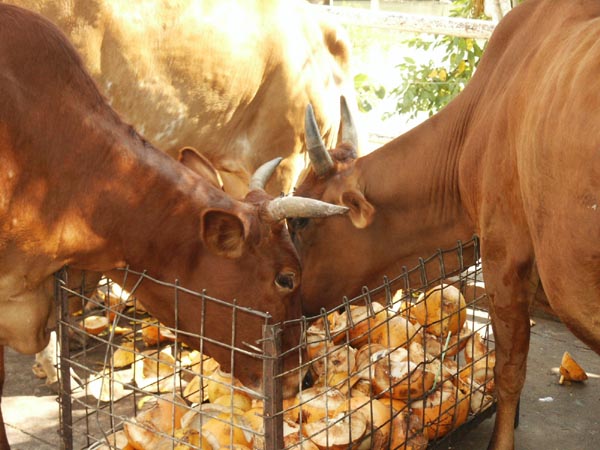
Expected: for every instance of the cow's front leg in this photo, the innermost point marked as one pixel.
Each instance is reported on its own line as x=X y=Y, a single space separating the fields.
x=3 y=439
x=510 y=283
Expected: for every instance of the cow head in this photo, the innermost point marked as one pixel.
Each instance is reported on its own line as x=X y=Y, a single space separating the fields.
x=251 y=259
x=340 y=242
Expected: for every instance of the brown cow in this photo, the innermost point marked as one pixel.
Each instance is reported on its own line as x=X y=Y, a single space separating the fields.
x=515 y=158
x=229 y=77
x=79 y=187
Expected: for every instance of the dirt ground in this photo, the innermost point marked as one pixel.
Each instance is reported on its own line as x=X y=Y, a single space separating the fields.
x=553 y=417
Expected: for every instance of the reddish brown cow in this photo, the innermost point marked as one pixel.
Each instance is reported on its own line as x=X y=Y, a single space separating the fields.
x=79 y=187
x=230 y=77
x=515 y=158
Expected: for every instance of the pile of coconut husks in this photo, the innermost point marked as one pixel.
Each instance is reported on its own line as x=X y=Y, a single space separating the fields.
x=383 y=376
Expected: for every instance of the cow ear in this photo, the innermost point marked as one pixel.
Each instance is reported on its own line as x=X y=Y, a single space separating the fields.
x=192 y=159
x=223 y=232
x=361 y=211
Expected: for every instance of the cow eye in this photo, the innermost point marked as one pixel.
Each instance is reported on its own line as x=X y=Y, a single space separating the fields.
x=285 y=280
x=298 y=223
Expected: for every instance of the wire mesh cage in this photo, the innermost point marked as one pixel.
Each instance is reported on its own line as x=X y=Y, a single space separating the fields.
x=405 y=365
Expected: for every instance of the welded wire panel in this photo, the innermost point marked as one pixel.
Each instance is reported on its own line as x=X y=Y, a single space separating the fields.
x=134 y=381
x=403 y=365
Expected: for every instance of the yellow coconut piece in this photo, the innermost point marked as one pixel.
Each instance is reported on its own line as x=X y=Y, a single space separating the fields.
x=293 y=439
x=195 y=391
x=341 y=431
x=343 y=381
x=480 y=373
x=325 y=334
x=94 y=324
x=335 y=359
x=154 y=333
x=155 y=371
x=229 y=430
x=313 y=404
x=191 y=439
x=441 y=310
x=396 y=331
x=115 y=440
x=108 y=386
x=475 y=348
x=124 y=356
x=238 y=402
x=570 y=370
x=398 y=377
x=362 y=319
x=220 y=383
x=220 y=425
x=480 y=363
x=479 y=400
x=365 y=353
x=407 y=432
x=164 y=416
x=255 y=417
x=377 y=414
x=442 y=411
x=363 y=386
x=332 y=329
x=199 y=363
x=447 y=345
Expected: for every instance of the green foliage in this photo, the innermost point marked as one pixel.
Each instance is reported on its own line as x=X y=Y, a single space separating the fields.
x=429 y=87
x=367 y=92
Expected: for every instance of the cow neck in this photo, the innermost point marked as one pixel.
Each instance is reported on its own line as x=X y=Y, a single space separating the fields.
x=146 y=208
x=422 y=187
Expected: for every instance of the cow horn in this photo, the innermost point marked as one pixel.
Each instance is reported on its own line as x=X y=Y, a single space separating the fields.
x=319 y=156
x=263 y=173
x=289 y=207
x=349 y=134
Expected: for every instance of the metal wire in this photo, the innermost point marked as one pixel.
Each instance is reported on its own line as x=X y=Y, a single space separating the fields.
x=115 y=397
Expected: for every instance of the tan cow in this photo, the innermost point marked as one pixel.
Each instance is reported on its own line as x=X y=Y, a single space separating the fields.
x=514 y=158
x=79 y=187
x=229 y=77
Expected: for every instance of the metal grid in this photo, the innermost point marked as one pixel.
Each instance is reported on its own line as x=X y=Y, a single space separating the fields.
x=371 y=375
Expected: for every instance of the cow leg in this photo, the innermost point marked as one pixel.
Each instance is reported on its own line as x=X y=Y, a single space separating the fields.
x=3 y=439
x=510 y=283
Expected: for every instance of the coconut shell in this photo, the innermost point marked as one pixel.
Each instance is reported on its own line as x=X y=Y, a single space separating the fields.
x=155 y=371
x=397 y=331
x=336 y=359
x=229 y=430
x=94 y=324
x=442 y=411
x=441 y=310
x=124 y=356
x=378 y=415
x=363 y=319
x=396 y=376
x=339 y=432
x=313 y=404
x=220 y=383
x=570 y=370
x=293 y=439
x=407 y=432
x=164 y=416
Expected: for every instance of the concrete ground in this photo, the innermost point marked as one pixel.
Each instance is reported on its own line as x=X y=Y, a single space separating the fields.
x=553 y=417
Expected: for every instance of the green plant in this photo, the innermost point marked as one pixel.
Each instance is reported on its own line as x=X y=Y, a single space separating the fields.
x=428 y=87
x=368 y=92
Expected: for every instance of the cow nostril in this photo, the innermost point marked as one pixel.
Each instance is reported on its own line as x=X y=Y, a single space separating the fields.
x=285 y=280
